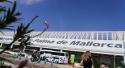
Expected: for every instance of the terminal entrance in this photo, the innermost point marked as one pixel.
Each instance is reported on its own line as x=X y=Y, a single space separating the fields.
x=111 y=60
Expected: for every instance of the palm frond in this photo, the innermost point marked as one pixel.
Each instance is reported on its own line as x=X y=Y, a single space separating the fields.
x=14 y=8
x=21 y=33
x=30 y=31
x=3 y=0
x=9 y=17
x=2 y=8
x=9 y=28
x=27 y=26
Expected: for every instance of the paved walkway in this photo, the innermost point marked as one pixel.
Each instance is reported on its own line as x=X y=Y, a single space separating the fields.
x=15 y=62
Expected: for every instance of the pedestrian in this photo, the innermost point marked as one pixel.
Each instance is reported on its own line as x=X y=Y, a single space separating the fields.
x=86 y=61
x=72 y=59
x=103 y=65
x=23 y=63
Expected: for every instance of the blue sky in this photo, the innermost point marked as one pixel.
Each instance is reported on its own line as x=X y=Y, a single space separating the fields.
x=75 y=15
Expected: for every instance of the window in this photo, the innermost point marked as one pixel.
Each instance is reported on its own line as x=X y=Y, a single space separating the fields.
x=104 y=36
x=99 y=36
x=95 y=36
x=109 y=36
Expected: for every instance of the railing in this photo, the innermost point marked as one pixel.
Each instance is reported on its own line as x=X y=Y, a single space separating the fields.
x=88 y=35
x=91 y=35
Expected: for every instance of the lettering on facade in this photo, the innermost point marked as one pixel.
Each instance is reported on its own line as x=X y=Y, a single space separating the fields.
x=90 y=43
x=69 y=42
x=43 y=41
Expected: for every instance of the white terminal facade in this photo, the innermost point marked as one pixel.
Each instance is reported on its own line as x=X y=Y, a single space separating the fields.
x=103 y=44
x=98 y=42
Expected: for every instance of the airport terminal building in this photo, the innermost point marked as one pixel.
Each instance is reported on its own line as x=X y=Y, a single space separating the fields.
x=102 y=44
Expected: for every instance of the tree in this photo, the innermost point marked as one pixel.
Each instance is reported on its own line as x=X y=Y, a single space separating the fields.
x=10 y=16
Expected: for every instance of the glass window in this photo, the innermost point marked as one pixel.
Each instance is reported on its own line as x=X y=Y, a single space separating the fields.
x=104 y=36
x=109 y=36
x=99 y=36
x=95 y=36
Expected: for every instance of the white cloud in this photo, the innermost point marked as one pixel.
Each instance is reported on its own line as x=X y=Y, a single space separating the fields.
x=29 y=2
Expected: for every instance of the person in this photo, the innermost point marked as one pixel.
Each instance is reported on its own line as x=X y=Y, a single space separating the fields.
x=102 y=65
x=23 y=63
x=86 y=61
x=72 y=59
x=34 y=55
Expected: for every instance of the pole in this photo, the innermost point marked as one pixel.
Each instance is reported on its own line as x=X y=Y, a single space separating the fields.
x=24 y=48
x=52 y=61
x=32 y=65
x=11 y=46
x=114 y=61
x=40 y=48
x=0 y=45
x=124 y=56
x=124 y=52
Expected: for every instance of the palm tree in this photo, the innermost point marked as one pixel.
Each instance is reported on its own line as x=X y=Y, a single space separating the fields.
x=21 y=33
x=21 y=36
x=8 y=17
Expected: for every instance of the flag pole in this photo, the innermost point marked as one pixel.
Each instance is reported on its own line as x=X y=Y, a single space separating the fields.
x=114 y=61
x=46 y=27
x=124 y=52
